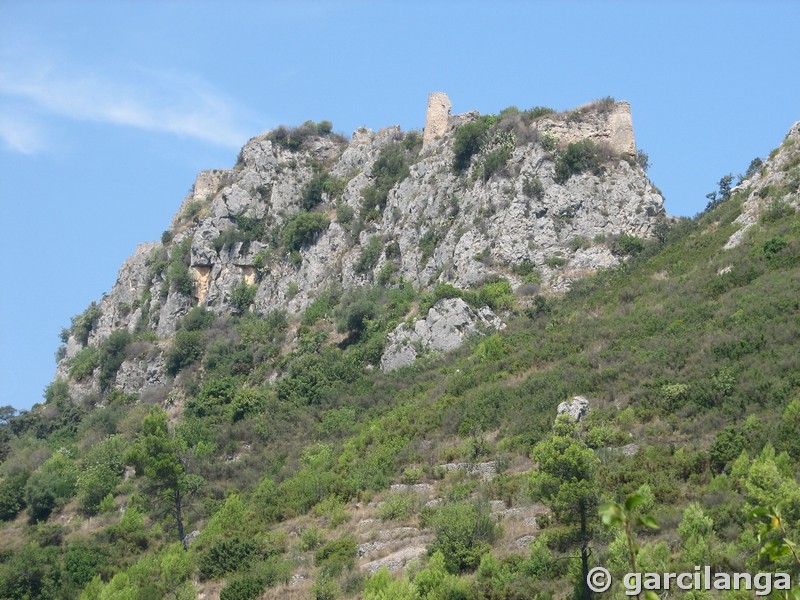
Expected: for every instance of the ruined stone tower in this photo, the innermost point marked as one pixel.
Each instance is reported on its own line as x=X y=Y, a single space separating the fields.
x=620 y=125
x=436 y=119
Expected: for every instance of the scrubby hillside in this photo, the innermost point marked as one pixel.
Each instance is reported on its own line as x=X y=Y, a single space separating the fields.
x=284 y=463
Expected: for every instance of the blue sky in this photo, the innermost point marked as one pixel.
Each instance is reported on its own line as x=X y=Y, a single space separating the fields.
x=109 y=109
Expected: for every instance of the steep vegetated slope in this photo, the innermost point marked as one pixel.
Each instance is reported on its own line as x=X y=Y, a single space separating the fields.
x=229 y=432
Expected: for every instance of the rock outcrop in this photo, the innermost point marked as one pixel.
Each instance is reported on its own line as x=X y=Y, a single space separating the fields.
x=577 y=408
x=448 y=324
x=776 y=182
x=434 y=225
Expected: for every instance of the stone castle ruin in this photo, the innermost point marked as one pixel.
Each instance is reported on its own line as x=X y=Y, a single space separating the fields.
x=604 y=122
x=437 y=119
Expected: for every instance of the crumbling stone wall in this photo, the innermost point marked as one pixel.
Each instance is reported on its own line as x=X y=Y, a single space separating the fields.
x=612 y=126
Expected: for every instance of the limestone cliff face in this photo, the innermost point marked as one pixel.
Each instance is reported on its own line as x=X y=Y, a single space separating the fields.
x=437 y=225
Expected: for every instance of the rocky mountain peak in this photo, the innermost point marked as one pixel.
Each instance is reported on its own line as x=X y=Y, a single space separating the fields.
x=534 y=198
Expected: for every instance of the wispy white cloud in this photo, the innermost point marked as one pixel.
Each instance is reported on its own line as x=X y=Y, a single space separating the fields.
x=155 y=101
x=19 y=135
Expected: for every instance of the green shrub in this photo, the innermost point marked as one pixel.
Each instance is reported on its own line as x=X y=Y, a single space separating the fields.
x=244 y=230
x=310 y=539
x=524 y=268
x=176 y=267
x=533 y=188
x=50 y=486
x=356 y=308
x=549 y=142
x=370 y=255
x=247 y=402
x=12 y=495
x=538 y=111
x=261 y=260
x=130 y=534
x=81 y=563
x=392 y=250
x=470 y=138
x=275 y=569
x=187 y=347
x=464 y=532
x=214 y=395
x=555 y=262
x=427 y=244
x=490 y=348
x=321 y=307
x=322 y=183
x=386 y=273
x=197 y=319
x=580 y=156
x=728 y=445
x=225 y=358
x=446 y=290
x=192 y=210
x=246 y=587
x=227 y=556
x=603 y=436
x=436 y=581
x=265 y=330
x=334 y=510
x=495 y=294
x=179 y=278
x=295 y=138
x=388 y=170
x=302 y=229
x=83 y=364
x=627 y=245
x=112 y=354
x=578 y=243
x=443 y=290
x=251 y=228
x=344 y=215
x=774 y=246
x=101 y=472
x=396 y=506
x=227 y=238
x=83 y=324
x=31 y=572
x=788 y=440
x=325 y=588
x=494 y=162
x=242 y=297
x=313 y=190
x=381 y=586
x=642 y=159
x=337 y=555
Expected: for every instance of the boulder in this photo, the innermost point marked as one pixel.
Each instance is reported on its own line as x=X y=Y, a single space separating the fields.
x=577 y=408
x=448 y=324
